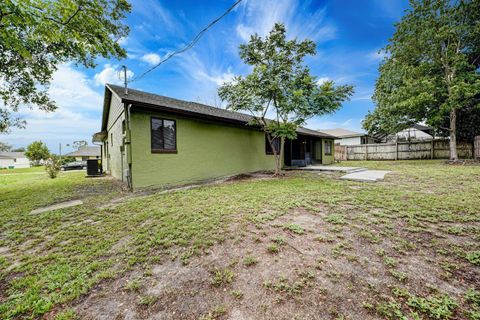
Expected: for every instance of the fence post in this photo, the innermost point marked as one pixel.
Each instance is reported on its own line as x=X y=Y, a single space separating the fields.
x=366 y=152
x=396 y=150
x=432 y=150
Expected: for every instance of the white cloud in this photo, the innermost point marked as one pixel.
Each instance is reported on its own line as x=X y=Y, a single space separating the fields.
x=151 y=58
x=376 y=55
x=260 y=16
x=195 y=68
x=78 y=115
x=110 y=74
x=322 y=80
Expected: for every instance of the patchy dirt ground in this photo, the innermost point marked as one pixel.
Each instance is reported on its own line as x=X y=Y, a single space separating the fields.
x=304 y=246
x=298 y=266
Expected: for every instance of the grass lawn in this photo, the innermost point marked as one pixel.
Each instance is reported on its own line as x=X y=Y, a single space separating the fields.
x=304 y=246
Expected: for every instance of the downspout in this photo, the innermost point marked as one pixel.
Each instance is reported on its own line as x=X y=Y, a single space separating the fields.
x=128 y=145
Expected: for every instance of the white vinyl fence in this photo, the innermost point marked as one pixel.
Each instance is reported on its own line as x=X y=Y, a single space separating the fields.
x=434 y=149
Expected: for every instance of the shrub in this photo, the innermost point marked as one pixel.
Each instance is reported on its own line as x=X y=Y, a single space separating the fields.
x=52 y=166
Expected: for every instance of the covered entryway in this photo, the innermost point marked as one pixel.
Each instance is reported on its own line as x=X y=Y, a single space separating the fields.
x=309 y=148
x=303 y=151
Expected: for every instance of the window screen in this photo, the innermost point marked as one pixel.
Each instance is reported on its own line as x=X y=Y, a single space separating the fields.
x=328 y=147
x=164 y=136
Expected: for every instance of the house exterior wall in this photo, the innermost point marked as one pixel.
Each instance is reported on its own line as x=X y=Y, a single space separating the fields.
x=205 y=150
x=351 y=141
x=113 y=161
x=14 y=163
x=7 y=163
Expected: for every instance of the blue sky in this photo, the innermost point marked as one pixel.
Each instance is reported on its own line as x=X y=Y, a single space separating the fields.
x=348 y=34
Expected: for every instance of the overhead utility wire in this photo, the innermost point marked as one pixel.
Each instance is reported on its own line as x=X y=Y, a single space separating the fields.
x=190 y=45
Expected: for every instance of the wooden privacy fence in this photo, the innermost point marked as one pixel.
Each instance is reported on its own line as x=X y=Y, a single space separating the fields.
x=434 y=149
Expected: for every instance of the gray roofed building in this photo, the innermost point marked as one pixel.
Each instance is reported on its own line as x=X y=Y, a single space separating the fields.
x=85 y=151
x=190 y=108
x=151 y=140
x=343 y=133
x=12 y=155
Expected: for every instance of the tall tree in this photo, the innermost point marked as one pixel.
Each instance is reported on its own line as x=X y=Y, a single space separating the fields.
x=431 y=72
x=281 y=86
x=80 y=143
x=38 y=35
x=37 y=151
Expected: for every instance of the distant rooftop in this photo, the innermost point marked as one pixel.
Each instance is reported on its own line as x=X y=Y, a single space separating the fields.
x=85 y=151
x=12 y=155
x=343 y=133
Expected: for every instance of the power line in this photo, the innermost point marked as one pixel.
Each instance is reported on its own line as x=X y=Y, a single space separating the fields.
x=190 y=45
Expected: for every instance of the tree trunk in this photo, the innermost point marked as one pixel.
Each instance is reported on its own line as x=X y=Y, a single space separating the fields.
x=453 y=135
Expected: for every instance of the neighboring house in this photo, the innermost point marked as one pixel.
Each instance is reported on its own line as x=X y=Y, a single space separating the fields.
x=150 y=140
x=13 y=160
x=85 y=153
x=349 y=138
x=416 y=132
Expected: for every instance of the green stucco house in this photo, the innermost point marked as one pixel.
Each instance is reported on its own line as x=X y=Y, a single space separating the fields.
x=148 y=140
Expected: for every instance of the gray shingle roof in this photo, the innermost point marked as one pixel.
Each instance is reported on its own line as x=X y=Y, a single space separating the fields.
x=86 y=151
x=12 y=155
x=193 y=108
x=343 y=133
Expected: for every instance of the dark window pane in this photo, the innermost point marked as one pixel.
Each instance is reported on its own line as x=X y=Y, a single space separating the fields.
x=163 y=134
x=169 y=134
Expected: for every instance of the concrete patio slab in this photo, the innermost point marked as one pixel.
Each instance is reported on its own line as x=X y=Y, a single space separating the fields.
x=366 y=176
x=329 y=168
x=57 y=206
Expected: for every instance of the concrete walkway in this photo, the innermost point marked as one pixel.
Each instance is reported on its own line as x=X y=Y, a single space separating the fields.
x=366 y=176
x=66 y=204
x=352 y=173
x=328 y=168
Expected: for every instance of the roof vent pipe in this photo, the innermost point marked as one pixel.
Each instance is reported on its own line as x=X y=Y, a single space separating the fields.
x=124 y=67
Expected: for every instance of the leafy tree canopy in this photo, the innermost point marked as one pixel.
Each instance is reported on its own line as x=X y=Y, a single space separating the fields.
x=38 y=35
x=5 y=147
x=431 y=72
x=37 y=151
x=280 y=86
x=80 y=143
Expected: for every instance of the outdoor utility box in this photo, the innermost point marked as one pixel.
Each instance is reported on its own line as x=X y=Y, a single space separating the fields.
x=93 y=167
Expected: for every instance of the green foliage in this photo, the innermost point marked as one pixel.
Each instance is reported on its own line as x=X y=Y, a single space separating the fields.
x=436 y=307
x=38 y=35
x=295 y=228
x=283 y=285
x=37 y=151
x=52 y=166
x=5 y=147
x=430 y=72
x=250 y=261
x=66 y=315
x=280 y=84
x=65 y=160
x=474 y=257
x=222 y=277
x=273 y=248
x=147 y=300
